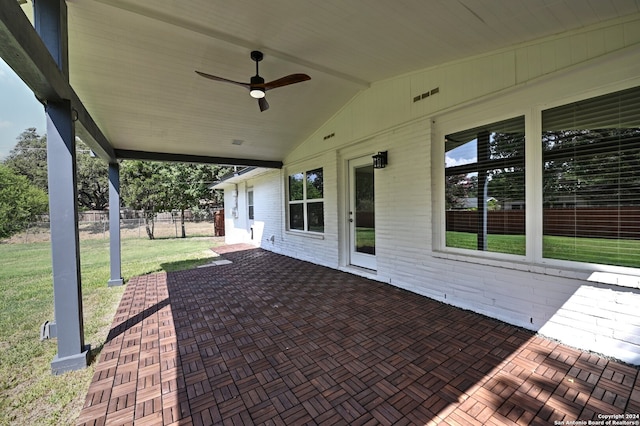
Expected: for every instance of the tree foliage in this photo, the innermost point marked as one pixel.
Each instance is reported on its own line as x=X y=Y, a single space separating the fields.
x=141 y=188
x=92 y=177
x=20 y=202
x=155 y=187
x=188 y=186
x=600 y=167
x=29 y=158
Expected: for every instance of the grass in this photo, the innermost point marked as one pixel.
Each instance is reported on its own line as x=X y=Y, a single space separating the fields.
x=593 y=250
x=365 y=240
x=512 y=244
x=29 y=393
x=589 y=250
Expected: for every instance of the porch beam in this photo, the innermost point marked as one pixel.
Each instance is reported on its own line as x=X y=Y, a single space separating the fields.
x=27 y=54
x=124 y=154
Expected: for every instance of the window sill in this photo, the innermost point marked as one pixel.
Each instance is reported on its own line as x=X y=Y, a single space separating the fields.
x=304 y=234
x=553 y=268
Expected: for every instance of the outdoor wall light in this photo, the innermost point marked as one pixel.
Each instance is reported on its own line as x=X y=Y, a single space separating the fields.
x=380 y=160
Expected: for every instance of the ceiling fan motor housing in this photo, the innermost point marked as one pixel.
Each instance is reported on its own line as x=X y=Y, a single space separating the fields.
x=256 y=88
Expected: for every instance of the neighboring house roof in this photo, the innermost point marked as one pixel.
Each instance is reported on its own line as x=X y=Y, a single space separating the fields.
x=238 y=175
x=471 y=202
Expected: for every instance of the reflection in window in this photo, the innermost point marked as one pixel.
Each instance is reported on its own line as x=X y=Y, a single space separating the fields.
x=485 y=188
x=315 y=216
x=250 y=203
x=296 y=216
x=306 y=201
x=295 y=187
x=591 y=180
x=314 y=184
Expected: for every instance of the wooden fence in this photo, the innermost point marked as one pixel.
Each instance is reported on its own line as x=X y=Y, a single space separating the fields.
x=594 y=222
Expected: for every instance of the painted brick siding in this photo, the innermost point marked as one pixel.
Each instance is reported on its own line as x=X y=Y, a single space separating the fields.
x=270 y=214
x=267 y=196
x=403 y=208
x=557 y=301
x=322 y=250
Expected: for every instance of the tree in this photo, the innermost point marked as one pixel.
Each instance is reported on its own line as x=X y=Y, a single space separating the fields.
x=600 y=167
x=20 y=202
x=458 y=188
x=188 y=185
x=92 y=179
x=142 y=188
x=154 y=187
x=29 y=158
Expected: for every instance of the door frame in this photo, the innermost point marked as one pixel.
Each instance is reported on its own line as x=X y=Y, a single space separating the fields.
x=353 y=258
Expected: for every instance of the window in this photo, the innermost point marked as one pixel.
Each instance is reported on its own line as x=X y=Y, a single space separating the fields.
x=306 y=201
x=485 y=188
x=250 y=203
x=591 y=180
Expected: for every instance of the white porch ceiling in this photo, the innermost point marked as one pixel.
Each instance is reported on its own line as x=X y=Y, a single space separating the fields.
x=132 y=62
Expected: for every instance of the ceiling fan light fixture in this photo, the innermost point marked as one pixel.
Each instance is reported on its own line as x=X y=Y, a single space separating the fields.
x=254 y=89
x=257 y=93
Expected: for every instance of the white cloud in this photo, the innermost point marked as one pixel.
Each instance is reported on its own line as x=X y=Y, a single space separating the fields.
x=451 y=162
x=5 y=124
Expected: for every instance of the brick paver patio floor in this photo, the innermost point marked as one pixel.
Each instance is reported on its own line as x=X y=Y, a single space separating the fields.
x=273 y=340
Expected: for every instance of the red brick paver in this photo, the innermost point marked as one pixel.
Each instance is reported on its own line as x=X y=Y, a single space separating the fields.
x=273 y=340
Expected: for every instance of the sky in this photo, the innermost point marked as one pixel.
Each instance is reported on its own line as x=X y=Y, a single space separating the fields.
x=464 y=154
x=19 y=110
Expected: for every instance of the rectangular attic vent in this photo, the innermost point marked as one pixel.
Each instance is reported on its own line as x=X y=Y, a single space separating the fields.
x=426 y=94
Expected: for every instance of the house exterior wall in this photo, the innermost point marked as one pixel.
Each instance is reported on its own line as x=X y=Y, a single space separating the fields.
x=560 y=300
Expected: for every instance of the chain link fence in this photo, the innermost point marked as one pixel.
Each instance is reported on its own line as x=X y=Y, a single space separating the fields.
x=129 y=228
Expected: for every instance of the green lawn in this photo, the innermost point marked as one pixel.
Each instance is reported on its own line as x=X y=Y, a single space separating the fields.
x=29 y=394
x=593 y=250
x=512 y=244
x=589 y=250
x=365 y=239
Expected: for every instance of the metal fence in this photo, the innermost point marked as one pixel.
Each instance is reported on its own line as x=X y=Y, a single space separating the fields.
x=129 y=228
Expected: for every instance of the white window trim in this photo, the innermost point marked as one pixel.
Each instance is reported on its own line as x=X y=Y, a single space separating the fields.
x=251 y=204
x=304 y=202
x=533 y=261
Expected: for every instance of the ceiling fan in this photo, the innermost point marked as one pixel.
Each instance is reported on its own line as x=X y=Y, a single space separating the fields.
x=257 y=87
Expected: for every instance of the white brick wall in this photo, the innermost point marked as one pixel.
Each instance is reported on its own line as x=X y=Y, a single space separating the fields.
x=557 y=301
x=321 y=250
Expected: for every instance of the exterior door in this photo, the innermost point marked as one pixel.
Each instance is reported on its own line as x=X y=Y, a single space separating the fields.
x=250 y=211
x=362 y=223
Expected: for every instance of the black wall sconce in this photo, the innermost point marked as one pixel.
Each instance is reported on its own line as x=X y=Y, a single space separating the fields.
x=380 y=160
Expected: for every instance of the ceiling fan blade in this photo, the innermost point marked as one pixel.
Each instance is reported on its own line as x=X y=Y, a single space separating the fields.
x=263 y=104
x=285 y=81
x=224 y=80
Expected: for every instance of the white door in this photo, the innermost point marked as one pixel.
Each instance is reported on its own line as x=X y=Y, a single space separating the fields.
x=250 y=210
x=362 y=223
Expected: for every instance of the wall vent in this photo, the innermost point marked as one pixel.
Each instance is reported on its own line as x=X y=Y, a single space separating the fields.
x=426 y=94
x=329 y=136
